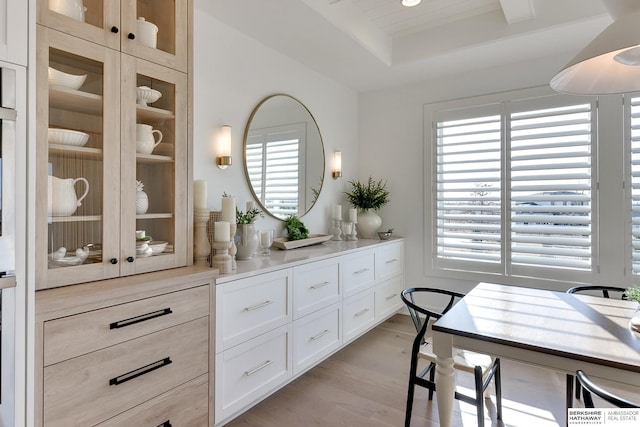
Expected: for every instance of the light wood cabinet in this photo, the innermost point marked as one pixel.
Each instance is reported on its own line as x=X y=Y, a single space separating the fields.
x=97 y=240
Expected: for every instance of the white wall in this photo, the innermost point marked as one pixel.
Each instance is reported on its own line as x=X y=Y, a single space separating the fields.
x=392 y=130
x=232 y=74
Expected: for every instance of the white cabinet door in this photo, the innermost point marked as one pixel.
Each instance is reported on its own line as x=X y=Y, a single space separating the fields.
x=13 y=31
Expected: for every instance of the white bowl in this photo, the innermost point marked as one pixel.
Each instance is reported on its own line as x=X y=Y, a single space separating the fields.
x=145 y=95
x=68 y=137
x=157 y=246
x=73 y=81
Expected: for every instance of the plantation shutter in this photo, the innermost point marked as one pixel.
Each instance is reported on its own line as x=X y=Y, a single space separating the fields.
x=550 y=184
x=634 y=132
x=468 y=188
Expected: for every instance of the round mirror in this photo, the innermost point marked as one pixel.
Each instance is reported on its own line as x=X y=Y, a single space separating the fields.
x=283 y=156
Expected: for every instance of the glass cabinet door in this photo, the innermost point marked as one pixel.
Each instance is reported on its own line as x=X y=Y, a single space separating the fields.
x=154 y=167
x=94 y=20
x=77 y=160
x=156 y=30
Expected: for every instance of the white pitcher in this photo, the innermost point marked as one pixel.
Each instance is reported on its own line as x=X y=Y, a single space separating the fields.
x=62 y=196
x=72 y=8
x=145 y=140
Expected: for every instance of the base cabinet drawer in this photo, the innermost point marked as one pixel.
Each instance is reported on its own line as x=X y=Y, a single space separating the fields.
x=357 y=272
x=358 y=314
x=316 y=285
x=249 y=371
x=389 y=261
x=91 y=388
x=184 y=406
x=315 y=336
x=388 y=297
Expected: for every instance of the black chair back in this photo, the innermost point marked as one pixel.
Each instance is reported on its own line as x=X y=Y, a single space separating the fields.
x=590 y=387
x=604 y=289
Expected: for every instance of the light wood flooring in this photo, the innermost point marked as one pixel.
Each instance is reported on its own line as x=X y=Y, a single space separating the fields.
x=365 y=385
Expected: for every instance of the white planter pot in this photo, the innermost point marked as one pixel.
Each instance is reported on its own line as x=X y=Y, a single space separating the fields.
x=368 y=224
x=246 y=241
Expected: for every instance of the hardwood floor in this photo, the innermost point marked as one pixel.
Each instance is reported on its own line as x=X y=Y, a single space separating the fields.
x=365 y=385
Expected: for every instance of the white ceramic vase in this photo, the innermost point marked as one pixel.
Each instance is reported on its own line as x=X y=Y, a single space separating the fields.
x=368 y=224
x=142 y=202
x=246 y=241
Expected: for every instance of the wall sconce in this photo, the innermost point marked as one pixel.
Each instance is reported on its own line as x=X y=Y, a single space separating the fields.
x=336 y=170
x=224 y=148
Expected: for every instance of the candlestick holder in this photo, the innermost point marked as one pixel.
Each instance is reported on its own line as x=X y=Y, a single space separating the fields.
x=201 y=246
x=337 y=229
x=233 y=250
x=354 y=233
x=349 y=230
x=222 y=260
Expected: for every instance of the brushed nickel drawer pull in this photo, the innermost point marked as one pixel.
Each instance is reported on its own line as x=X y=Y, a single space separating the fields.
x=320 y=335
x=165 y=424
x=391 y=260
x=257 y=306
x=254 y=370
x=140 y=371
x=360 y=313
x=319 y=285
x=391 y=297
x=364 y=270
x=142 y=318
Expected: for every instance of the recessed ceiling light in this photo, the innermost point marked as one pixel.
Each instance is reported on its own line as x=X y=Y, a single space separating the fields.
x=410 y=3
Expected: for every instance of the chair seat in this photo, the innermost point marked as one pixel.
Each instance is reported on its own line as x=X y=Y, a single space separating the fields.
x=463 y=360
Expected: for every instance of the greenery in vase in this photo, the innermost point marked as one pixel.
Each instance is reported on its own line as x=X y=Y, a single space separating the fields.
x=296 y=230
x=247 y=217
x=633 y=294
x=372 y=195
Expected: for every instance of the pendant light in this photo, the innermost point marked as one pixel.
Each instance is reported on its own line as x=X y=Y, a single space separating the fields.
x=611 y=62
x=410 y=3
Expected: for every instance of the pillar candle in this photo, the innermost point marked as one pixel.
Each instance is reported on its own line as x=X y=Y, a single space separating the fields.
x=221 y=231
x=250 y=205
x=337 y=212
x=353 y=215
x=229 y=209
x=199 y=194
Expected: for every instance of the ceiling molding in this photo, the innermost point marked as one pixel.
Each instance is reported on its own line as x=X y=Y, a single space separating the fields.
x=518 y=10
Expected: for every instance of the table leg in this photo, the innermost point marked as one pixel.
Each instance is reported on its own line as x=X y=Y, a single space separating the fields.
x=445 y=378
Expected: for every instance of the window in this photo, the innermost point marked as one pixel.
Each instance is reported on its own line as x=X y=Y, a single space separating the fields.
x=514 y=187
x=633 y=120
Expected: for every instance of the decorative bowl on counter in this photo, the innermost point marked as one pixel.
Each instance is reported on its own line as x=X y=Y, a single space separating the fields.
x=157 y=246
x=145 y=95
x=68 y=137
x=73 y=81
x=385 y=235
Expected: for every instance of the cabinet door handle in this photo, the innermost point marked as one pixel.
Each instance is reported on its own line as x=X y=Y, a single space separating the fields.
x=113 y=261
x=392 y=261
x=254 y=370
x=114 y=30
x=364 y=270
x=360 y=313
x=257 y=306
x=320 y=335
x=140 y=371
x=318 y=286
x=131 y=36
x=165 y=424
x=141 y=318
x=130 y=259
x=391 y=297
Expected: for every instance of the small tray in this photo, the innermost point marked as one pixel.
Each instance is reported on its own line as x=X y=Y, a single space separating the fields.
x=313 y=239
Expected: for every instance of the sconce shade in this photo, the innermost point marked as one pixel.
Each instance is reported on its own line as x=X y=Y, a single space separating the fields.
x=410 y=3
x=610 y=64
x=223 y=160
x=336 y=170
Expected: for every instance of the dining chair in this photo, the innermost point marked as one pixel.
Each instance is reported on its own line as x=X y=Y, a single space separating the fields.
x=607 y=292
x=483 y=367
x=590 y=387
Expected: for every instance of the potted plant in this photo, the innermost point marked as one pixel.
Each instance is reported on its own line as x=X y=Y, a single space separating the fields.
x=247 y=245
x=368 y=197
x=296 y=229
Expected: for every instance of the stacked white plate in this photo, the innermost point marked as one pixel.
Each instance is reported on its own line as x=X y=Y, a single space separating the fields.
x=68 y=137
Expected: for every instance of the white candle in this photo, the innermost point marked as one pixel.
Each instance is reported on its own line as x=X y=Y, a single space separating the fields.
x=221 y=231
x=199 y=194
x=353 y=215
x=265 y=238
x=229 y=209
x=250 y=205
x=337 y=212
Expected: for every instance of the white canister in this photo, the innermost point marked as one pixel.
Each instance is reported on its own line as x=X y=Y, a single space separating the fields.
x=147 y=33
x=71 y=8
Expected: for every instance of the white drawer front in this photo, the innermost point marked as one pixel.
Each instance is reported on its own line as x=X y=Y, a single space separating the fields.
x=249 y=307
x=358 y=272
x=389 y=261
x=249 y=371
x=388 y=297
x=315 y=336
x=358 y=314
x=315 y=285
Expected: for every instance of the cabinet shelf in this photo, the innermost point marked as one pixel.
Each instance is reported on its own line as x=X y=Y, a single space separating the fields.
x=75 y=100
x=79 y=218
x=152 y=113
x=153 y=158
x=89 y=153
x=154 y=216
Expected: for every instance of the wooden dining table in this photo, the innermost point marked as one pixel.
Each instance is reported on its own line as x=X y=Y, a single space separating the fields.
x=554 y=330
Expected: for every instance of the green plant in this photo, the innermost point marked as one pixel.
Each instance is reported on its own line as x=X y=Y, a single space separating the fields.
x=248 y=217
x=372 y=195
x=296 y=230
x=632 y=294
